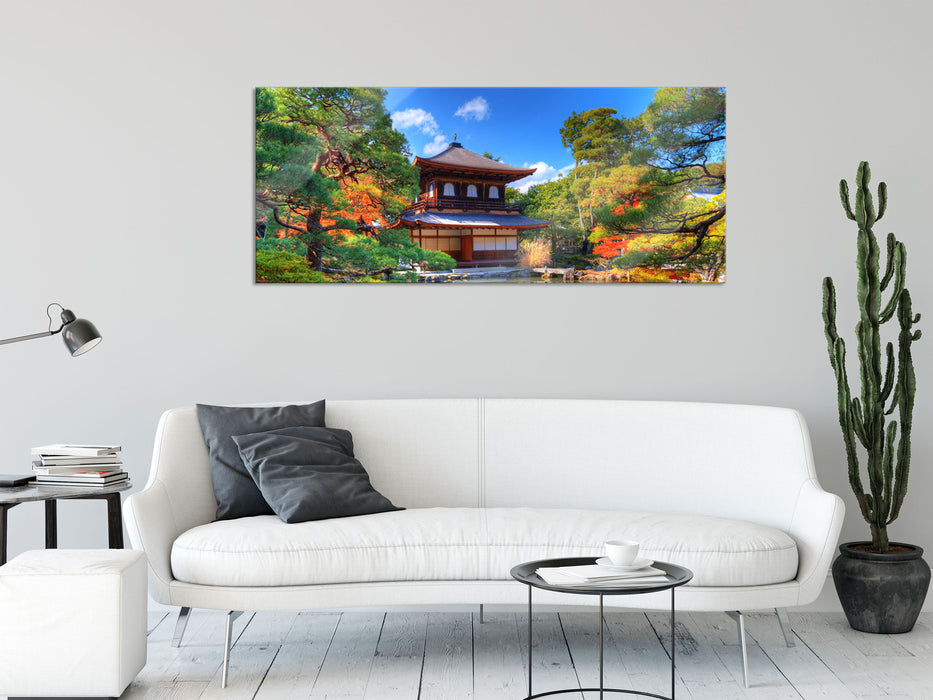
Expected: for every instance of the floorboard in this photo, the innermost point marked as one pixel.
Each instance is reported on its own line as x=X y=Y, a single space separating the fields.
x=295 y=669
x=498 y=657
x=346 y=668
x=636 y=650
x=447 y=671
x=451 y=656
x=396 y=670
x=553 y=666
x=802 y=669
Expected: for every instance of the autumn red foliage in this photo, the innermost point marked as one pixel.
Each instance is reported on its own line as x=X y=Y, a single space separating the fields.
x=612 y=246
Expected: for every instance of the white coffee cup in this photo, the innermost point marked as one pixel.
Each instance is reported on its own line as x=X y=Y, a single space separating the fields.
x=621 y=552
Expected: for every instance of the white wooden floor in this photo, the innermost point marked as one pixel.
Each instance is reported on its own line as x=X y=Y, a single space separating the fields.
x=435 y=656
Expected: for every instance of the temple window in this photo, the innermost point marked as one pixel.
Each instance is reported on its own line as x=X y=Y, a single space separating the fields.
x=493 y=192
x=449 y=189
x=471 y=190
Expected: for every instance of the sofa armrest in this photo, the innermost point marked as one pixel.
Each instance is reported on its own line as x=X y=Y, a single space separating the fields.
x=815 y=525
x=151 y=526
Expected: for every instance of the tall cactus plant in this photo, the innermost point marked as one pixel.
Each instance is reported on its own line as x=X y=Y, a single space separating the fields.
x=887 y=384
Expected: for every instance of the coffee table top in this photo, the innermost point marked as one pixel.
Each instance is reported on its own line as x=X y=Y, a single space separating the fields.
x=47 y=492
x=676 y=575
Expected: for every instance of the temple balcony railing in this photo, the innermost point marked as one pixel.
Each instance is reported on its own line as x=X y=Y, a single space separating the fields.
x=470 y=203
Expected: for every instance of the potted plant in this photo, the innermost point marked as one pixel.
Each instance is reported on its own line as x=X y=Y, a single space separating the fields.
x=881 y=584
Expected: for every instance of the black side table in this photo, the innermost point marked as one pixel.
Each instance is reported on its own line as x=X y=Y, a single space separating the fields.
x=13 y=496
x=525 y=573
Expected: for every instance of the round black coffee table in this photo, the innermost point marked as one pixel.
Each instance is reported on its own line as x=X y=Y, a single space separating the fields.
x=525 y=573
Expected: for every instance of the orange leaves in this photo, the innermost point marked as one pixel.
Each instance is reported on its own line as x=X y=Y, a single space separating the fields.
x=363 y=201
x=612 y=246
x=625 y=206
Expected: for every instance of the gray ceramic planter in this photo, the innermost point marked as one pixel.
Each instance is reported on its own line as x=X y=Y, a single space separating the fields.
x=881 y=593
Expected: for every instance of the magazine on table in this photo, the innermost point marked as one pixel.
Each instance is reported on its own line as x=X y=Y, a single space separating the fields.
x=595 y=575
x=65 y=449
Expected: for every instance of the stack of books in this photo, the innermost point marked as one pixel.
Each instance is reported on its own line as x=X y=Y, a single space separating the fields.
x=598 y=576
x=78 y=465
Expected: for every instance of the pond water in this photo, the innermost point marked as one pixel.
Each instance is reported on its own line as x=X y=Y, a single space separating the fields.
x=536 y=279
x=497 y=276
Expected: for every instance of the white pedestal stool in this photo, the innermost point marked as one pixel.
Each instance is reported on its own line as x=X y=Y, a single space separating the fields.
x=72 y=622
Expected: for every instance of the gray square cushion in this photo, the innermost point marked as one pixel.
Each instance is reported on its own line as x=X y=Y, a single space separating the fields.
x=236 y=493
x=308 y=473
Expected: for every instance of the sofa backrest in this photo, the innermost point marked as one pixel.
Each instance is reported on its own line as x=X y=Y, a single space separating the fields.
x=727 y=460
x=734 y=461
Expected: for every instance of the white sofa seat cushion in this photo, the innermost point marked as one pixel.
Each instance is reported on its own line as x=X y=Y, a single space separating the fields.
x=470 y=544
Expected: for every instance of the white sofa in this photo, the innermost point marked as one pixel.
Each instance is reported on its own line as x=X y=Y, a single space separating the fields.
x=729 y=491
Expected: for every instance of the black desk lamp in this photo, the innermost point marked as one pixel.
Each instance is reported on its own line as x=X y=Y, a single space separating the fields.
x=79 y=334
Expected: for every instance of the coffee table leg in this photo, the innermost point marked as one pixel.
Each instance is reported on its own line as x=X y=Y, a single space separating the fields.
x=51 y=524
x=4 y=507
x=115 y=520
x=672 y=644
x=601 y=625
x=529 y=641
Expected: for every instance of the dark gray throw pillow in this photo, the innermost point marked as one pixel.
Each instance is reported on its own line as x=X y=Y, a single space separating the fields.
x=308 y=473
x=234 y=489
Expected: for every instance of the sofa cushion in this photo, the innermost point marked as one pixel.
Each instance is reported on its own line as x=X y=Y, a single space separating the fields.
x=471 y=544
x=309 y=473
x=235 y=491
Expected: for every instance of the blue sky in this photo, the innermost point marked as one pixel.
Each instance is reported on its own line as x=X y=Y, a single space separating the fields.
x=519 y=125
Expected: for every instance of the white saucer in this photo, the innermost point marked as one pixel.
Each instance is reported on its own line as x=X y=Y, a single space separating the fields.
x=606 y=562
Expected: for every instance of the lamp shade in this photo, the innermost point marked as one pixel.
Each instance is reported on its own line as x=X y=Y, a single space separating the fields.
x=79 y=334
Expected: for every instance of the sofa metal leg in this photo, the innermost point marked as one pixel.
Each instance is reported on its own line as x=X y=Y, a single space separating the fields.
x=481 y=619
x=784 y=621
x=231 y=616
x=740 y=623
x=180 y=624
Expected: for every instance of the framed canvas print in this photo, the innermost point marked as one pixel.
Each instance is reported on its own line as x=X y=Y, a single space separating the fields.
x=490 y=185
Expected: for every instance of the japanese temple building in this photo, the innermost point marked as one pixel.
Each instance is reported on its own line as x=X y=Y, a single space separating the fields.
x=462 y=209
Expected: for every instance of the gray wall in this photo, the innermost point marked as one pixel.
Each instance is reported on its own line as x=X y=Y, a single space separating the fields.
x=126 y=169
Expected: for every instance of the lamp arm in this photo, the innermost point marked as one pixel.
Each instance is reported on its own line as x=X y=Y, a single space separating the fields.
x=43 y=334
x=80 y=335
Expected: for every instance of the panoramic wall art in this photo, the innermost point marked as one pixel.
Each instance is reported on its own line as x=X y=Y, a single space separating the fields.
x=491 y=185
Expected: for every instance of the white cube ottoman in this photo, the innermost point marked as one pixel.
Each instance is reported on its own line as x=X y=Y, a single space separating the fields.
x=72 y=622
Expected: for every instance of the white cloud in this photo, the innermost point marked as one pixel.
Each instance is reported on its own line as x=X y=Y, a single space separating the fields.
x=543 y=173
x=477 y=108
x=436 y=146
x=417 y=118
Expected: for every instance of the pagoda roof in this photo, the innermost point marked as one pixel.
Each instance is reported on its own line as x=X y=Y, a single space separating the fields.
x=456 y=157
x=472 y=220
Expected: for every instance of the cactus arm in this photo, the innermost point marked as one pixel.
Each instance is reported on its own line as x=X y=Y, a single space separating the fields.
x=850 y=414
x=888 y=375
x=894 y=400
x=846 y=422
x=900 y=279
x=908 y=384
x=864 y=207
x=889 y=266
x=858 y=424
x=896 y=506
x=844 y=196
x=882 y=200
x=887 y=468
x=829 y=318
